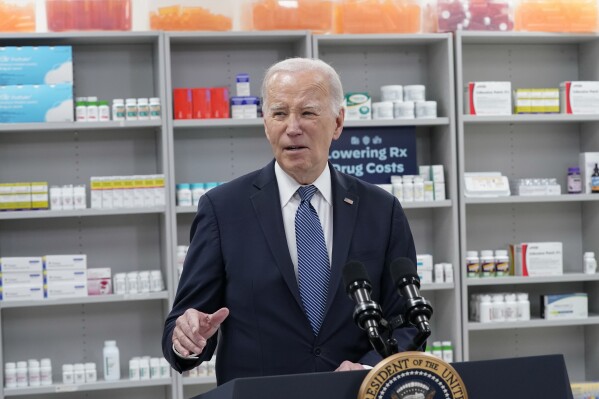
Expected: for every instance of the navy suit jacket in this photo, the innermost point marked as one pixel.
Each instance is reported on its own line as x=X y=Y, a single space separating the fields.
x=239 y=258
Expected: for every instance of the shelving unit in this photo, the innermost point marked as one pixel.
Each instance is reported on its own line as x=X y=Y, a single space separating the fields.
x=106 y=65
x=367 y=62
x=521 y=146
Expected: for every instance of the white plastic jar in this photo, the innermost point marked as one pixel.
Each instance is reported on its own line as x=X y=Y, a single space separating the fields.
x=118 y=109
x=382 y=110
x=68 y=378
x=143 y=282
x=120 y=283
x=132 y=283
x=403 y=110
x=155 y=108
x=134 y=369
x=184 y=194
x=79 y=373
x=33 y=372
x=10 y=375
x=143 y=109
x=91 y=373
x=156 y=283
x=414 y=93
x=392 y=93
x=112 y=364
x=45 y=372
x=131 y=109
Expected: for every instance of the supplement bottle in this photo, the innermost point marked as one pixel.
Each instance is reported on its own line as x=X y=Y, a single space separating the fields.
x=447 y=351
x=595 y=180
x=511 y=307
x=154 y=368
x=155 y=109
x=523 y=306
x=574 y=181
x=131 y=109
x=472 y=264
x=502 y=265
x=79 y=373
x=111 y=361
x=10 y=375
x=103 y=111
x=144 y=368
x=590 y=263
x=21 y=374
x=134 y=369
x=498 y=308
x=184 y=194
x=92 y=109
x=46 y=372
x=81 y=111
x=68 y=378
x=487 y=264
x=91 y=375
x=118 y=109
x=33 y=373
x=143 y=109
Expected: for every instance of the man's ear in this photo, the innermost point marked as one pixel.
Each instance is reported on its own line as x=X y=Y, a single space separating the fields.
x=339 y=123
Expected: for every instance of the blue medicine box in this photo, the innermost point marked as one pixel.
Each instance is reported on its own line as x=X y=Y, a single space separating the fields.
x=36 y=103
x=29 y=65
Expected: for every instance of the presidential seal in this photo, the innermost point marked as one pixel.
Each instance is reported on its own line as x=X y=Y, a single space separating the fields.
x=412 y=375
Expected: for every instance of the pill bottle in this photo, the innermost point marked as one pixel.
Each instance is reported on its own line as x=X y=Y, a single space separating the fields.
x=574 y=181
x=45 y=372
x=498 y=308
x=447 y=351
x=184 y=197
x=143 y=282
x=81 y=111
x=472 y=264
x=156 y=283
x=33 y=373
x=68 y=378
x=21 y=374
x=154 y=368
x=590 y=263
x=523 y=306
x=155 y=108
x=10 y=375
x=134 y=369
x=197 y=190
x=92 y=109
x=79 y=373
x=165 y=368
x=131 y=109
x=511 y=307
x=144 y=368
x=118 y=109
x=143 y=109
x=103 y=111
x=132 y=283
x=485 y=309
x=112 y=363
x=487 y=263
x=502 y=263
x=437 y=349
x=448 y=272
x=91 y=374
x=120 y=283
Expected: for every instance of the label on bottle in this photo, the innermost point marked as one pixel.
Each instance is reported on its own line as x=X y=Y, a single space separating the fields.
x=595 y=184
x=574 y=184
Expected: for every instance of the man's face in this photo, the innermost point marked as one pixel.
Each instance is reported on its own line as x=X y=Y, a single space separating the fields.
x=300 y=124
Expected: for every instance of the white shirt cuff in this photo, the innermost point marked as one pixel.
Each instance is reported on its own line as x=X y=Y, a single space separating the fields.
x=192 y=356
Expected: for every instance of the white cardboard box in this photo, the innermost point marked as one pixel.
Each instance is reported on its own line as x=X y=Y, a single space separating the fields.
x=565 y=306
x=22 y=293
x=25 y=264
x=54 y=276
x=21 y=278
x=66 y=290
x=57 y=262
x=538 y=259
x=489 y=98
x=579 y=98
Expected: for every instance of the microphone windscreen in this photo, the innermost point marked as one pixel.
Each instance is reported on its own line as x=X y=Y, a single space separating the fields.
x=402 y=268
x=354 y=271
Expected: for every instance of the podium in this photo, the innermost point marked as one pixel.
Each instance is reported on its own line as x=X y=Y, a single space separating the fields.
x=515 y=378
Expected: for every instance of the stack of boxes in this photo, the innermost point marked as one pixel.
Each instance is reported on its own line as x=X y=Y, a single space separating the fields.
x=65 y=276
x=536 y=101
x=36 y=84
x=23 y=196
x=137 y=191
x=21 y=279
x=201 y=103
x=244 y=105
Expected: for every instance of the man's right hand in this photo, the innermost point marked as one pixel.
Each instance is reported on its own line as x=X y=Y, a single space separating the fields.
x=193 y=328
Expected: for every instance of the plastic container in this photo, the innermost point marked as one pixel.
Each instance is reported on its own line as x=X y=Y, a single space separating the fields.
x=210 y=15
x=112 y=363
x=477 y=15
x=590 y=263
x=379 y=16
x=17 y=15
x=45 y=372
x=10 y=375
x=314 y=15
x=556 y=16
x=574 y=181
x=64 y=15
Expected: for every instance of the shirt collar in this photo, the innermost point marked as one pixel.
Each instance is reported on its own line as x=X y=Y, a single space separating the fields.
x=288 y=186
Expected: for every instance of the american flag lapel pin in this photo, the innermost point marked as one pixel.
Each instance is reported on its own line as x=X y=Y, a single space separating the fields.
x=349 y=201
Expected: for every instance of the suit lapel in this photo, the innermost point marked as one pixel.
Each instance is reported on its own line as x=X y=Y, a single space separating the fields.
x=267 y=206
x=345 y=211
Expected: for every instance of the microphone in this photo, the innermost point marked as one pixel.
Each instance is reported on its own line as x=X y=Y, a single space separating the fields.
x=418 y=310
x=367 y=313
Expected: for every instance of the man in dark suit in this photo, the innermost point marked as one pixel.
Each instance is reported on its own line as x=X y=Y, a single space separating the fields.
x=262 y=275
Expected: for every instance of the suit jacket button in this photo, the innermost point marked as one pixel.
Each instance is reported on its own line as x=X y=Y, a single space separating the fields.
x=317 y=351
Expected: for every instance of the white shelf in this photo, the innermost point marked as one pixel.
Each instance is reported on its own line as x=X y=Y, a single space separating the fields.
x=535 y=38
x=509 y=280
x=44 y=214
x=86 y=300
x=96 y=386
x=437 y=286
x=237 y=123
x=533 y=323
x=524 y=199
x=199 y=380
x=76 y=126
x=532 y=118
x=442 y=121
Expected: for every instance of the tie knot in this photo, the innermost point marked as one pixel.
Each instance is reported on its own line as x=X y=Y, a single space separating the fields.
x=307 y=192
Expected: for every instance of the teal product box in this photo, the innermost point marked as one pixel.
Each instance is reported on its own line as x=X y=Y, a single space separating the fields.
x=36 y=103
x=29 y=65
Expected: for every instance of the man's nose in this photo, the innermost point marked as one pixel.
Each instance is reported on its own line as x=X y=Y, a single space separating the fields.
x=293 y=124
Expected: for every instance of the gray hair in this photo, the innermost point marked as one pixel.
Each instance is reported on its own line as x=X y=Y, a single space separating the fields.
x=307 y=64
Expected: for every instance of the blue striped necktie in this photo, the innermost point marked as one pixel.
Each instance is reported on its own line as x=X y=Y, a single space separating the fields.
x=313 y=267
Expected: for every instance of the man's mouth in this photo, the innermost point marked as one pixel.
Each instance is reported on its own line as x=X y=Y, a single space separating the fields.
x=294 y=148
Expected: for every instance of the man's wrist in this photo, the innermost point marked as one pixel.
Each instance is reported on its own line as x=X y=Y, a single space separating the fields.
x=193 y=356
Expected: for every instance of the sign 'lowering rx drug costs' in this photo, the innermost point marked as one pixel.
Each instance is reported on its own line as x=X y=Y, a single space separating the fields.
x=374 y=154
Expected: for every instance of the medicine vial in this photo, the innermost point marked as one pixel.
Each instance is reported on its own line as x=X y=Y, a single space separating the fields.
x=590 y=263
x=143 y=109
x=574 y=181
x=523 y=306
x=448 y=272
x=79 y=373
x=155 y=108
x=103 y=111
x=33 y=373
x=118 y=109
x=437 y=349
x=485 y=309
x=68 y=378
x=438 y=273
x=120 y=283
x=92 y=109
x=197 y=190
x=511 y=307
x=418 y=189
x=595 y=180
x=10 y=375
x=184 y=194
x=134 y=369
x=156 y=283
x=132 y=283
x=498 y=308
x=91 y=374
x=21 y=374
x=472 y=264
x=143 y=282
x=45 y=372
x=112 y=365
x=131 y=109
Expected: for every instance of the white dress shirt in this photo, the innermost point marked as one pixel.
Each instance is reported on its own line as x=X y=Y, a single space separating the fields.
x=322 y=201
